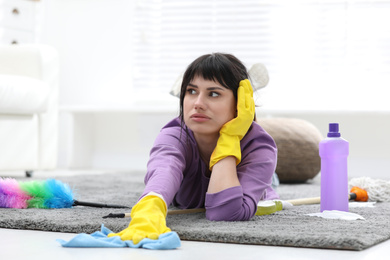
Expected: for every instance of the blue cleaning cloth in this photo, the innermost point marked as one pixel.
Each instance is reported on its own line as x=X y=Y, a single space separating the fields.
x=168 y=240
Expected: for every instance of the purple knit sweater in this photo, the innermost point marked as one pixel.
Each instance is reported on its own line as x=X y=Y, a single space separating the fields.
x=176 y=171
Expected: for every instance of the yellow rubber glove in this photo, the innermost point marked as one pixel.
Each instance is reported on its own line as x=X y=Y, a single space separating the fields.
x=232 y=132
x=148 y=220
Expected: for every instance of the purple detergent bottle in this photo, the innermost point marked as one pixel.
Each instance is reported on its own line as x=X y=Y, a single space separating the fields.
x=334 y=152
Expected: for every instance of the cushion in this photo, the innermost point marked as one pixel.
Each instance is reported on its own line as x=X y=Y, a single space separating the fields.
x=22 y=95
x=297 y=141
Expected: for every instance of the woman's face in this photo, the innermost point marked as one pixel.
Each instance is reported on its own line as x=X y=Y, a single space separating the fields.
x=207 y=106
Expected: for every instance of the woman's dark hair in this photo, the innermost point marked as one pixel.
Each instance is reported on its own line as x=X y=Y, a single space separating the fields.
x=223 y=68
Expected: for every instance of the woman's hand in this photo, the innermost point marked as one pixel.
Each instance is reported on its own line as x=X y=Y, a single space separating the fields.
x=233 y=131
x=245 y=112
x=148 y=220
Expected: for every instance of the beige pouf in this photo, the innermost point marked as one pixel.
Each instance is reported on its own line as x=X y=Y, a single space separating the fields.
x=297 y=141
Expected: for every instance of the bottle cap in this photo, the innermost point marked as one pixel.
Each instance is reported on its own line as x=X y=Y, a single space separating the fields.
x=334 y=130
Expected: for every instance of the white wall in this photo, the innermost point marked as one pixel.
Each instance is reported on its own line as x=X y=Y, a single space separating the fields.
x=109 y=140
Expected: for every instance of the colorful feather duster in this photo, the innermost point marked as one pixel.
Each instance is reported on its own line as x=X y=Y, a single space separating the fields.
x=47 y=194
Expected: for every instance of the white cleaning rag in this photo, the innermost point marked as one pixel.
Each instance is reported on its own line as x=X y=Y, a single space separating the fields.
x=336 y=214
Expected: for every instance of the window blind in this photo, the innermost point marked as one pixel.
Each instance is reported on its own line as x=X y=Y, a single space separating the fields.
x=319 y=54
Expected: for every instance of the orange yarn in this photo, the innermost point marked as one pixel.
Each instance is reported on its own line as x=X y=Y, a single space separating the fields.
x=361 y=195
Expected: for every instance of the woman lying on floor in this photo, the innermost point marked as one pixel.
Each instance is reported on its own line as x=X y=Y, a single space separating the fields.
x=214 y=155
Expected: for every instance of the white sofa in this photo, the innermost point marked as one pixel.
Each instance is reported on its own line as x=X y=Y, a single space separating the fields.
x=29 y=79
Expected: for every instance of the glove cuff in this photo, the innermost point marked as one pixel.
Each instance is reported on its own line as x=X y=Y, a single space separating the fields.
x=153 y=200
x=152 y=193
x=227 y=145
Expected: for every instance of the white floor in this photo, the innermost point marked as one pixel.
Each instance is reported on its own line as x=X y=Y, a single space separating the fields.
x=34 y=245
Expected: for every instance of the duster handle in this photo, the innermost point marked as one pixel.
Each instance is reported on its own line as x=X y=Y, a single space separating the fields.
x=185 y=211
x=295 y=202
x=98 y=205
x=170 y=212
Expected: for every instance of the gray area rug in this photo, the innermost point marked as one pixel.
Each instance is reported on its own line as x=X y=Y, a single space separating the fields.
x=289 y=227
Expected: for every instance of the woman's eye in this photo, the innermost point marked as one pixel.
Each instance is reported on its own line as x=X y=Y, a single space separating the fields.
x=214 y=94
x=191 y=91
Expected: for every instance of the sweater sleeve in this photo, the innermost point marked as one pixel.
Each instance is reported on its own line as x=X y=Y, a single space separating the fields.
x=166 y=164
x=259 y=156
